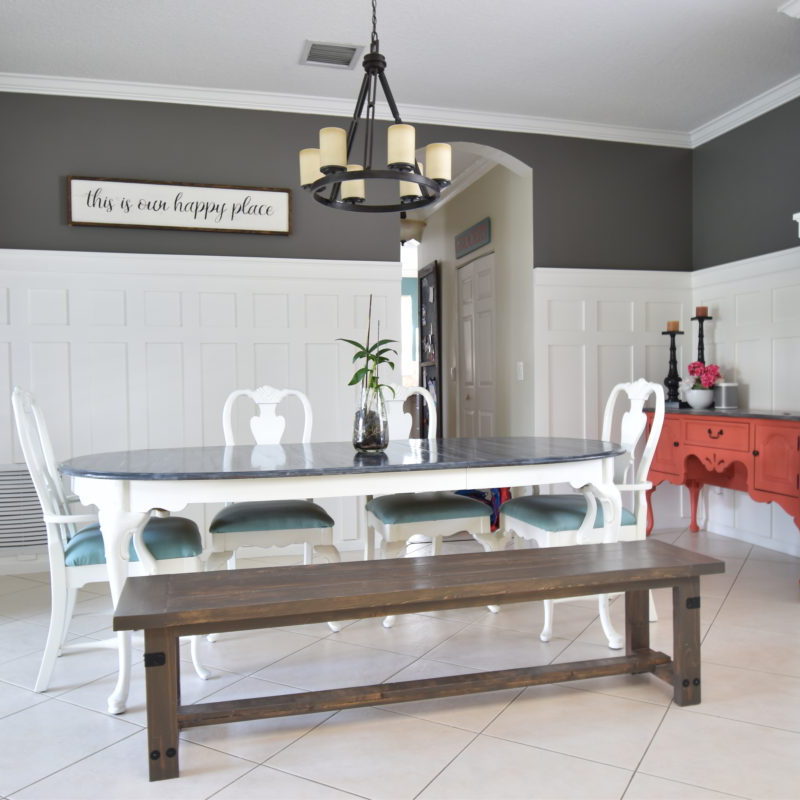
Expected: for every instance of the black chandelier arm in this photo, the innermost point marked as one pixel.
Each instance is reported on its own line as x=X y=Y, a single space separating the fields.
x=369 y=135
x=362 y=96
x=390 y=98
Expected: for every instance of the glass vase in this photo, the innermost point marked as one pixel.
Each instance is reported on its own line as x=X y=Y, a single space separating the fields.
x=370 y=427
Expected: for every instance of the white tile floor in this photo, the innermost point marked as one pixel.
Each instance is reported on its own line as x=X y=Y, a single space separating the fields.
x=604 y=738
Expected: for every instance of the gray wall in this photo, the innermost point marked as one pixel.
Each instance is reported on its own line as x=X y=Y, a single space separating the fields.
x=747 y=188
x=43 y=139
x=599 y=204
x=596 y=204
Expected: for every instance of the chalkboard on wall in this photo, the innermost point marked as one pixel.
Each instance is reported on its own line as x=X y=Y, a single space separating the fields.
x=430 y=364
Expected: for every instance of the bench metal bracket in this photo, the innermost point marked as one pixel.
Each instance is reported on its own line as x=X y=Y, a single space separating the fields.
x=155 y=659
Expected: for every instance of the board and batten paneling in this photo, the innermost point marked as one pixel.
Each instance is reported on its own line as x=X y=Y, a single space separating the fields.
x=594 y=328
x=138 y=351
x=755 y=338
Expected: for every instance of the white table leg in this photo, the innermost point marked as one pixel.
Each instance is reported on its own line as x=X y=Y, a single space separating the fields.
x=117 y=528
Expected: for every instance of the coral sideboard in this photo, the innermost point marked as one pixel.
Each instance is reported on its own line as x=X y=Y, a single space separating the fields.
x=752 y=451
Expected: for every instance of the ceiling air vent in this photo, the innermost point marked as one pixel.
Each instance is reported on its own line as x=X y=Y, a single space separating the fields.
x=326 y=54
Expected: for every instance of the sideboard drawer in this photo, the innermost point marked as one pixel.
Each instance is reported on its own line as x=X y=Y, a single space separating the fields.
x=717 y=433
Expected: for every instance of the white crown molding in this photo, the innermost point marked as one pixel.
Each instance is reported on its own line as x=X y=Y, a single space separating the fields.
x=772 y=98
x=451 y=117
x=331 y=106
x=791 y=9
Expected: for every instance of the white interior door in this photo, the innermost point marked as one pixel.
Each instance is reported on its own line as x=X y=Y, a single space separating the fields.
x=476 y=348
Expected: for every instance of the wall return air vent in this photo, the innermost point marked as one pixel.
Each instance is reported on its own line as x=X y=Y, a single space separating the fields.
x=327 y=54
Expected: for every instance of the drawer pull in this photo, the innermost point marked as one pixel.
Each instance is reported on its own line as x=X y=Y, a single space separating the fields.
x=676 y=444
x=719 y=433
x=755 y=452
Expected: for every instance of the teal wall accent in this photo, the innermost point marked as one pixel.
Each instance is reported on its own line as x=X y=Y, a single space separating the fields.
x=409 y=287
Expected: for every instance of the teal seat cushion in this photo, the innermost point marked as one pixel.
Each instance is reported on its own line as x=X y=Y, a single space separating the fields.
x=395 y=509
x=165 y=537
x=270 y=515
x=556 y=512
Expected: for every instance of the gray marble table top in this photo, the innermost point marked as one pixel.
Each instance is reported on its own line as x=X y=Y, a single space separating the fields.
x=332 y=458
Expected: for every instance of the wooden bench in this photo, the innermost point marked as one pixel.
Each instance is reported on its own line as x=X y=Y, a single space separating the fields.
x=169 y=606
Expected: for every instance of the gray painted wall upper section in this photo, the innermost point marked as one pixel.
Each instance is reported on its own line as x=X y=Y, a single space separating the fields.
x=599 y=204
x=43 y=139
x=747 y=188
x=596 y=204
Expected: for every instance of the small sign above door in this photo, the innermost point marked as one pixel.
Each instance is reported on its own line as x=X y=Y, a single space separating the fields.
x=474 y=237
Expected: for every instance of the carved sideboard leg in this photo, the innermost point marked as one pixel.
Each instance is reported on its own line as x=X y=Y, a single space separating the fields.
x=650 y=519
x=694 y=496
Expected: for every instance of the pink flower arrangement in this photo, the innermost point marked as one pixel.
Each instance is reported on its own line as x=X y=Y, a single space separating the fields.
x=705 y=375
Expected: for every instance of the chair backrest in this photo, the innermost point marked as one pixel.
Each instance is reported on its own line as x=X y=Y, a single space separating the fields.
x=632 y=425
x=267 y=426
x=399 y=419
x=41 y=463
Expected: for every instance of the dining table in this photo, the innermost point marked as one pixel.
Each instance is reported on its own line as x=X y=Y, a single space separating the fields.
x=128 y=486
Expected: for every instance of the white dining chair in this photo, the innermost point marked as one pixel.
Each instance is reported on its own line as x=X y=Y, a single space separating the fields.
x=75 y=543
x=270 y=523
x=557 y=520
x=396 y=518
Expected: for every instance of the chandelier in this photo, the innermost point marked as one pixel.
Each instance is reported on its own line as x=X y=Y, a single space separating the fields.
x=323 y=169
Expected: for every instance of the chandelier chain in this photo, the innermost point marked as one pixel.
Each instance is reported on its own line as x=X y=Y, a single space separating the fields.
x=374 y=47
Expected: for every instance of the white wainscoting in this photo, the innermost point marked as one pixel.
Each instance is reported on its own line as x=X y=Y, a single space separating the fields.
x=136 y=351
x=755 y=338
x=594 y=328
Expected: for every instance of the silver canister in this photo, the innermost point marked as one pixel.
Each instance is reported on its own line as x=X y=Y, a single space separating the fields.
x=726 y=395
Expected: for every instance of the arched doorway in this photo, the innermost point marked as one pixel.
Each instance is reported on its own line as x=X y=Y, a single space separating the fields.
x=488 y=183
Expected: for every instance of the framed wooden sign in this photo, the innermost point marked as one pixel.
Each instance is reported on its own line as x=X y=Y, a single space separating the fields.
x=120 y=203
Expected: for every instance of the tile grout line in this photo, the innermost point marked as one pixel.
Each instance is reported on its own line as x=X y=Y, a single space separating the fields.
x=672 y=702
x=77 y=761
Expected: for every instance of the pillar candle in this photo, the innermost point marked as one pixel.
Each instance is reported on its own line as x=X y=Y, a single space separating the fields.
x=400 y=144
x=701 y=311
x=333 y=147
x=438 y=157
x=409 y=188
x=353 y=190
x=672 y=325
x=309 y=166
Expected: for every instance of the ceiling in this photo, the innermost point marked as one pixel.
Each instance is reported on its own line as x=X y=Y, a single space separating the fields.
x=661 y=71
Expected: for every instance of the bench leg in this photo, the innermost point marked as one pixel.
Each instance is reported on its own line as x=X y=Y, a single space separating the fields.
x=162 y=673
x=686 y=642
x=637 y=627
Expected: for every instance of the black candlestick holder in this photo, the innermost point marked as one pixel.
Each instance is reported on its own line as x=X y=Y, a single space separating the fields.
x=673 y=380
x=701 y=353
